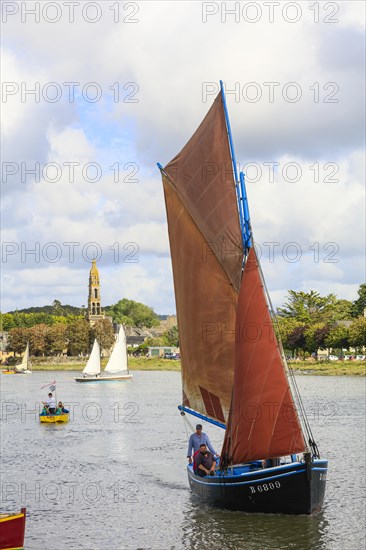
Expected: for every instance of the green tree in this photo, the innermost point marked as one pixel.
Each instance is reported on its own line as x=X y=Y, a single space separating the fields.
x=37 y=339
x=284 y=327
x=171 y=337
x=7 y=321
x=315 y=336
x=359 y=305
x=131 y=313
x=337 y=337
x=296 y=340
x=357 y=333
x=342 y=310
x=306 y=307
x=155 y=342
x=56 y=339
x=18 y=339
x=103 y=332
x=78 y=335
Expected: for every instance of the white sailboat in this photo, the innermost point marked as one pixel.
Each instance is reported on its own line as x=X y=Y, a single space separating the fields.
x=92 y=368
x=23 y=367
x=116 y=368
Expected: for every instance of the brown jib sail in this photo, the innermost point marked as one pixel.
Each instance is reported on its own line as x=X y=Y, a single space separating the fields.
x=263 y=419
x=227 y=374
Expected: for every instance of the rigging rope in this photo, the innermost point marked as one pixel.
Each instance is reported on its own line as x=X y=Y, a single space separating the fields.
x=185 y=422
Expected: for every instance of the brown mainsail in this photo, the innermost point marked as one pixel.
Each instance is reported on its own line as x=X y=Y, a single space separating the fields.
x=263 y=421
x=207 y=252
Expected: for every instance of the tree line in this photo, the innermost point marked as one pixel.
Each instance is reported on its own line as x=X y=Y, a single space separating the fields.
x=308 y=322
x=75 y=337
x=125 y=312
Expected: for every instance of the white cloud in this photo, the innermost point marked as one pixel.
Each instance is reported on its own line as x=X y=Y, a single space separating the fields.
x=170 y=53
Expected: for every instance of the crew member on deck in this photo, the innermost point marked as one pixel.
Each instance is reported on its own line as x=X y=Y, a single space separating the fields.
x=205 y=462
x=196 y=440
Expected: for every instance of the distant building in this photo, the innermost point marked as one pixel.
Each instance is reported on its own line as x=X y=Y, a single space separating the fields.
x=169 y=322
x=94 y=313
x=160 y=351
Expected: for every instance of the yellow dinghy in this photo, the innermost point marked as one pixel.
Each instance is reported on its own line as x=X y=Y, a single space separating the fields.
x=52 y=418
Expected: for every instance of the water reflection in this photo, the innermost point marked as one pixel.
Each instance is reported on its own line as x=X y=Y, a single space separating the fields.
x=204 y=526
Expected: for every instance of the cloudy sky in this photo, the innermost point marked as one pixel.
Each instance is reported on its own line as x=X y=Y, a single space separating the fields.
x=118 y=86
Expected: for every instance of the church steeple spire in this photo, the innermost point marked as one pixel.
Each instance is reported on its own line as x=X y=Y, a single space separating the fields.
x=94 y=298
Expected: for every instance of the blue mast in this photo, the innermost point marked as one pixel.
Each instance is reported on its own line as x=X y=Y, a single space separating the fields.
x=240 y=189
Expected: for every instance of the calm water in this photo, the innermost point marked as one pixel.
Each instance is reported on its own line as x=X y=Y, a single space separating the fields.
x=114 y=477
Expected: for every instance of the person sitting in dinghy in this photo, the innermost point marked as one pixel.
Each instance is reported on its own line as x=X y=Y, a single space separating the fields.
x=205 y=462
x=44 y=411
x=60 y=408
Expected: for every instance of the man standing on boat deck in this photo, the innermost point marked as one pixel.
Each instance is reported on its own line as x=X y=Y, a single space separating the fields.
x=196 y=440
x=50 y=404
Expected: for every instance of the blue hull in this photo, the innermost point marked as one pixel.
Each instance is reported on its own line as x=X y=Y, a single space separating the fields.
x=295 y=488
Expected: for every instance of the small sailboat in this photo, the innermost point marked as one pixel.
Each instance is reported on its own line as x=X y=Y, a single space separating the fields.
x=24 y=366
x=12 y=530
x=116 y=368
x=234 y=371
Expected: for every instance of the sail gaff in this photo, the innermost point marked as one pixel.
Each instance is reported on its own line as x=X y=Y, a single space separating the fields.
x=207 y=253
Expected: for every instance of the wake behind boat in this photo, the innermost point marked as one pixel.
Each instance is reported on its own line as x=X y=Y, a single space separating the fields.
x=234 y=371
x=117 y=367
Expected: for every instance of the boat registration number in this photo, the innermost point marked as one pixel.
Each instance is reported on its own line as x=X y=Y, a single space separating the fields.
x=265 y=487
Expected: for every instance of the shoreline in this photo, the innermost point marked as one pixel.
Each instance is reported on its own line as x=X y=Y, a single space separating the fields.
x=322 y=368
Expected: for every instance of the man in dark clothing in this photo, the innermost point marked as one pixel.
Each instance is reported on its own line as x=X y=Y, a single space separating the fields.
x=205 y=463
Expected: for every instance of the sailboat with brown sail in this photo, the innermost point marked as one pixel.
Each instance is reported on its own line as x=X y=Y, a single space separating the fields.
x=234 y=371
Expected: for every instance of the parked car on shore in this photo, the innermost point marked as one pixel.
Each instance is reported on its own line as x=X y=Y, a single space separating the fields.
x=360 y=357
x=333 y=358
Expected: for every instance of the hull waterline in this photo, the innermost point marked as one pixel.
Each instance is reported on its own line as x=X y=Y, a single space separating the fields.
x=294 y=488
x=54 y=418
x=103 y=378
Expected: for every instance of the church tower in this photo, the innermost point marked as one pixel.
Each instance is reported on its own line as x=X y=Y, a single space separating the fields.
x=94 y=301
